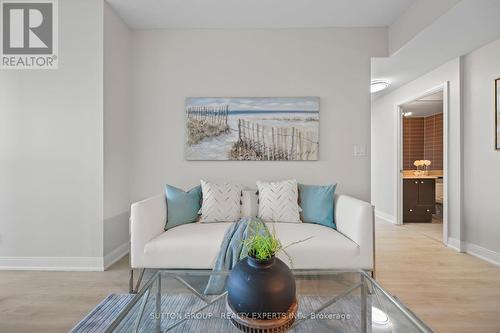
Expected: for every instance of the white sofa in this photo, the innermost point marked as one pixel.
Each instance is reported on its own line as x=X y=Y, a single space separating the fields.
x=195 y=245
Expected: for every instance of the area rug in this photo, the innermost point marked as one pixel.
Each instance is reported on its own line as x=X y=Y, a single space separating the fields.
x=342 y=316
x=101 y=317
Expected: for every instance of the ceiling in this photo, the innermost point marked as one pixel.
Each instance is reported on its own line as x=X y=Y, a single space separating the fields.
x=425 y=106
x=153 y=14
x=465 y=27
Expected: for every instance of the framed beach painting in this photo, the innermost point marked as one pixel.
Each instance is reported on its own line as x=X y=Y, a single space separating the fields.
x=252 y=128
x=497 y=113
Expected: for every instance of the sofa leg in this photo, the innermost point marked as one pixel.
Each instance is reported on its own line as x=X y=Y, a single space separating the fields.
x=131 y=282
x=131 y=289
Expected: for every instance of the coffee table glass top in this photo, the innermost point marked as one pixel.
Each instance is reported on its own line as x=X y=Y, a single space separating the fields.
x=328 y=301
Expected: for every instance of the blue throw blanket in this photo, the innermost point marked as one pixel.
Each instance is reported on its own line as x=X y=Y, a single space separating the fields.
x=232 y=250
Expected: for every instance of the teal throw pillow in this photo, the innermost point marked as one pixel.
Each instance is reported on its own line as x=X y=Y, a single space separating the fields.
x=182 y=207
x=317 y=204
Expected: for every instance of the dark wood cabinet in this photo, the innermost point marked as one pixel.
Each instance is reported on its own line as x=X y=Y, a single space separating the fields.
x=419 y=199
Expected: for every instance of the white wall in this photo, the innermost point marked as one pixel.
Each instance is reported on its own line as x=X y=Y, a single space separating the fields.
x=170 y=65
x=117 y=113
x=384 y=154
x=415 y=19
x=51 y=156
x=481 y=161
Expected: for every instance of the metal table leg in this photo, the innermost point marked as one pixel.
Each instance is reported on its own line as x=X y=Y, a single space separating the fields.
x=364 y=312
x=158 y=306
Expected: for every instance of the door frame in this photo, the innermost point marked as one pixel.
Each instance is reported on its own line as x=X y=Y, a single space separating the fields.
x=398 y=143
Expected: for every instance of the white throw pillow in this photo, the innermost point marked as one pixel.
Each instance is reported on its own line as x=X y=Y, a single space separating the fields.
x=278 y=201
x=221 y=202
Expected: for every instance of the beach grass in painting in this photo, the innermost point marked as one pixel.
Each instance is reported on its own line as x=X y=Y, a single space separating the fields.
x=252 y=128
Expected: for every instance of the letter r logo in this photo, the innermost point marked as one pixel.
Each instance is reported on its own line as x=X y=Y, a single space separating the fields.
x=27 y=27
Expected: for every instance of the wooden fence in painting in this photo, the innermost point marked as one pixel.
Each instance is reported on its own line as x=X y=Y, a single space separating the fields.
x=213 y=114
x=278 y=143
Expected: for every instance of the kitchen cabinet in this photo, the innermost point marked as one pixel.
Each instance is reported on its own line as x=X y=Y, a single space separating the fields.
x=419 y=199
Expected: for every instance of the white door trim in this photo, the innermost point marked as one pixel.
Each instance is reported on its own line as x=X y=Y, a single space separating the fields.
x=398 y=140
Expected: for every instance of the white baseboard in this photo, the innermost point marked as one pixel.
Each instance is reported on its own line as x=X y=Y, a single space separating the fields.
x=455 y=244
x=384 y=216
x=87 y=264
x=115 y=255
x=52 y=263
x=483 y=253
x=475 y=250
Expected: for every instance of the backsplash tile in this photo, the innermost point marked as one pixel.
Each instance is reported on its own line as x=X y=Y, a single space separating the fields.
x=423 y=140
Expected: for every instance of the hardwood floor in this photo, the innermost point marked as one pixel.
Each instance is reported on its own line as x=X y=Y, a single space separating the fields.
x=452 y=292
x=432 y=230
x=53 y=302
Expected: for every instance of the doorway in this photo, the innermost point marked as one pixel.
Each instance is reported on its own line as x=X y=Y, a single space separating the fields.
x=422 y=163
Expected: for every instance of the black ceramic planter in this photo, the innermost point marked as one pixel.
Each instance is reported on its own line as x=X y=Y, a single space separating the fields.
x=261 y=287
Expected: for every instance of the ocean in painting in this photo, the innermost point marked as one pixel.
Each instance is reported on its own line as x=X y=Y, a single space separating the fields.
x=253 y=128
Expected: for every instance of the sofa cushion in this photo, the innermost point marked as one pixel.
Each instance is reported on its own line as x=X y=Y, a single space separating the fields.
x=317 y=204
x=249 y=203
x=278 y=201
x=194 y=245
x=315 y=253
x=182 y=207
x=221 y=202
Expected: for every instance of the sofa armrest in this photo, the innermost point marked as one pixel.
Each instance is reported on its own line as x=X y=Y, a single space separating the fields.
x=355 y=219
x=147 y=221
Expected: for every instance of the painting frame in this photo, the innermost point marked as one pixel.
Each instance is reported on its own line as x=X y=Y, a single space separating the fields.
x=252 y=128
x=497 y=113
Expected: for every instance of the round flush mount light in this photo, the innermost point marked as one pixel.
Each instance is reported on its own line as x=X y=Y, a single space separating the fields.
x=378 y=85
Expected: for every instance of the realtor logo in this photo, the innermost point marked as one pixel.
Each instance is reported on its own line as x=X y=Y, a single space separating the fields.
x=29 y=34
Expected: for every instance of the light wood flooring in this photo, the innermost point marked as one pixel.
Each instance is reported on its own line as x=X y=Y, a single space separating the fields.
x=452 y=292
x=432 y=230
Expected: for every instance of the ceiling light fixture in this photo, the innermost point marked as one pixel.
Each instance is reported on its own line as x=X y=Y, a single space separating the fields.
x=378 y=85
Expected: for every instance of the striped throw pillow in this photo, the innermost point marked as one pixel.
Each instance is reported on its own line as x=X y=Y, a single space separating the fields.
x=278 y=201
x=221 y=202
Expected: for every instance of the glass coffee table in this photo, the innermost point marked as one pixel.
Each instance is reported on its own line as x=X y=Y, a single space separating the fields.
x=328 y=301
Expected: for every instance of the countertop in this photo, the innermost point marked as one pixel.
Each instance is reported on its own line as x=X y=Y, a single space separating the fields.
x=421 y=177
x=433 y=174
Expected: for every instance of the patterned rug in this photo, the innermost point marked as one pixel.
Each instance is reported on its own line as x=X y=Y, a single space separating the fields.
x=343 y=316
x=101 y=317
